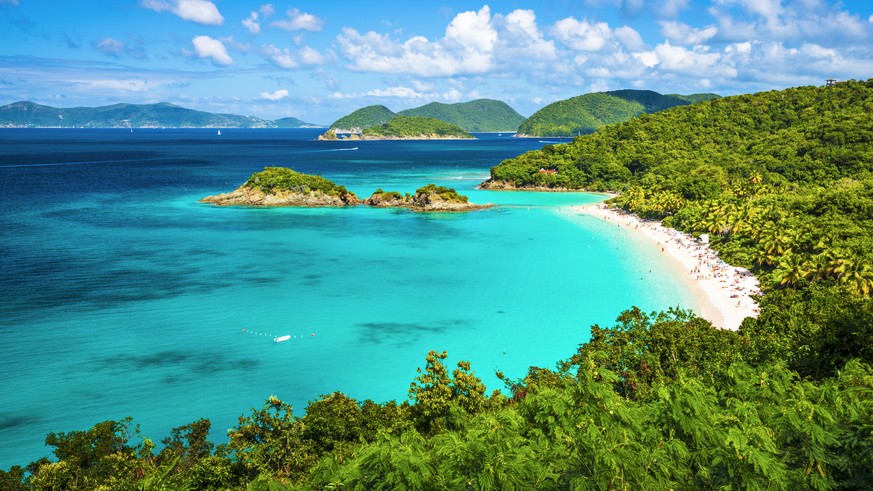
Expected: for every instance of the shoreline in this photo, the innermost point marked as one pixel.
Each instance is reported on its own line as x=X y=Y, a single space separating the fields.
x=723 y=291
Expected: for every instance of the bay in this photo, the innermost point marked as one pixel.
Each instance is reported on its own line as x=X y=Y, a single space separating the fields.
x=121 y=295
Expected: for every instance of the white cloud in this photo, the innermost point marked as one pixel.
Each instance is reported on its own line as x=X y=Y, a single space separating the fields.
x=274 y=96
x=870 y=19
x=671 y=8
x=699 y=61
x=299 y=21
x=207 y=47
x=402 y=92
x=685 y=34
x=630 y=38
x=521 y=37
x=251 y=23
x=199 y=11
x=288 y=59
x=310 y=56
x=281 y=57
x=583 y=36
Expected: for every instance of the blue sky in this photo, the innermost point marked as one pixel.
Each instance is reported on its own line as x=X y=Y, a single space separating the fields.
x=319 y=60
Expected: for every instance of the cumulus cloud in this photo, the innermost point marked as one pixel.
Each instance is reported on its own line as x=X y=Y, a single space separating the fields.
x=253 y=21
x=288 y=59
x=208 y=48
x=199 y=11
x=402 y=92
x=474 y=42
x=274 y=96
x=299 y=21
x=583 y=35
x=685 y=34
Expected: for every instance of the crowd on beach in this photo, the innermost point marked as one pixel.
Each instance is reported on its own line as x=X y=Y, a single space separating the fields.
x=730 y=289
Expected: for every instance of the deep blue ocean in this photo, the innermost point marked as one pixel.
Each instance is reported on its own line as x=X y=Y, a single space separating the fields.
x=121 y=295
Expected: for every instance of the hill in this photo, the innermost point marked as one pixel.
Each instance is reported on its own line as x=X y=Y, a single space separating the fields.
x=31 y=115
x=781 y=180
x=294 y=123
x=585 y=113
x=414 y=128
x=481 y=115
x=362 y=119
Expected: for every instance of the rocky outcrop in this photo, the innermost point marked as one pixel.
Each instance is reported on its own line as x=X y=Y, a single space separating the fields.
x=249 y=196
x=424 y=201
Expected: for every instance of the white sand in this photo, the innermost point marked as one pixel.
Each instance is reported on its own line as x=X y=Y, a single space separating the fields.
x=724 y=291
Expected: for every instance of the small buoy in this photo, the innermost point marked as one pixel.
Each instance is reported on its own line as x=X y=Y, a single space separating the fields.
x=244 y=329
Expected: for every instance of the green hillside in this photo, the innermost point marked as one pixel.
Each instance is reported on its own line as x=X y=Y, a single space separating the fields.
x=363 y=118
x=294 y=123
x=414 y=127
x=31 y=115
x=585 y=113
x=782 y=180
x=481 y=115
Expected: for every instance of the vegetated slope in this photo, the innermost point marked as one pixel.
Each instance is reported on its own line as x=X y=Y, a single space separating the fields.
x=415 y=127
x=32 y=115
x=363 y=118
x=781 y=180
x=294 y=123
x=481 y=115
x=585 y=113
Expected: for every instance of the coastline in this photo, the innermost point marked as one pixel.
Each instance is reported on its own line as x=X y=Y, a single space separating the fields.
x=725 y=292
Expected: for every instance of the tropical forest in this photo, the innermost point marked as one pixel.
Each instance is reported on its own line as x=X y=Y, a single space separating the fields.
x=781 y=182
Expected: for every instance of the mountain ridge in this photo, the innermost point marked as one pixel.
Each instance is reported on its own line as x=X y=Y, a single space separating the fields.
x=28 y=114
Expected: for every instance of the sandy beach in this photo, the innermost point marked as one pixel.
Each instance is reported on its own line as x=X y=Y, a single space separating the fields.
x=725 y=292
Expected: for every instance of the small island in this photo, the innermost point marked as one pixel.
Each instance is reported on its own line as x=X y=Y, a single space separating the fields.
x=427 y=198
x=280 y=186
x=407 y=128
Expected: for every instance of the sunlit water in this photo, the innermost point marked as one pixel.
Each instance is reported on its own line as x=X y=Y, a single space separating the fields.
x=121 y=295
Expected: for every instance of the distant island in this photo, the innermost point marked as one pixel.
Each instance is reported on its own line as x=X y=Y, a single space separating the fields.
x=481 y=115
x=586 y=113
x=406 y=128
x=280 y=186
x=28 y=114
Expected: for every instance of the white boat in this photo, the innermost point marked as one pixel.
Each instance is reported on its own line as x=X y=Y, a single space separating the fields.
x=219 y=132
x=282 y=338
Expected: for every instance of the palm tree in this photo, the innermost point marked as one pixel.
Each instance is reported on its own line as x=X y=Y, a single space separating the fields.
x=792 y=270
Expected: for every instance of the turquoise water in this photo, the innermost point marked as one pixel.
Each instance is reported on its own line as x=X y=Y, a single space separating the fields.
x=123 y=296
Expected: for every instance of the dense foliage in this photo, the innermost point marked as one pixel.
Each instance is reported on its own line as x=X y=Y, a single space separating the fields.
x=660 y=401
x=363 y=118
x=782 y=181
x=481 y=115
x=31 y=115
x=444 y=193
x=415 y=127
x=583 y=114
x=273 y=179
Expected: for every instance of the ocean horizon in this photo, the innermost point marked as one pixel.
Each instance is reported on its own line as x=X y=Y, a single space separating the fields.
x=122 y=295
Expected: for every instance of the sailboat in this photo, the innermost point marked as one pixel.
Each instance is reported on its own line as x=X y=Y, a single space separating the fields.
x=219 y=132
